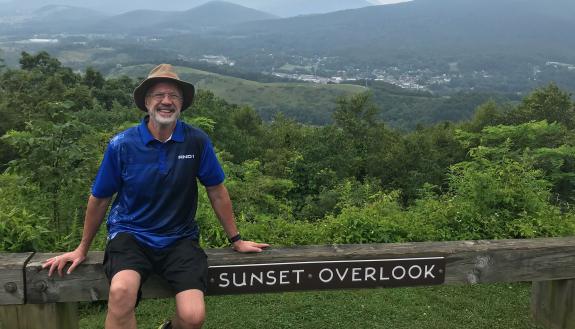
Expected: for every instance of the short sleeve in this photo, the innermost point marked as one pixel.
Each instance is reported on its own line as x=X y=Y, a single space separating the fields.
x=210 y=172
x=109 y=177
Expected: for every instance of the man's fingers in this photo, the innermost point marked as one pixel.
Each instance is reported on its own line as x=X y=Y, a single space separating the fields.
x=73 y=266
x=250 y=246
x=47 y=263
x=62 y=263
x=53 y=267
x=258 y=245
x=253 y=248
x=60 y=268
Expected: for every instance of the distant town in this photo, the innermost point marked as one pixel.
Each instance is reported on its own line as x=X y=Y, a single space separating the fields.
x=320 y=70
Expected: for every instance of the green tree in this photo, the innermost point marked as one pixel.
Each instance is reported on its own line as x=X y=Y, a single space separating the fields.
x=93 y=78
x=22 y=225
x=60 y=157
x=487 y=114
x=363 y=135
x=41 y=61
x=548 y=147
x=256 y=194
x=424 y=157
x=115 y=90
x=547 y=103
x=2 y=65
x=501 y=199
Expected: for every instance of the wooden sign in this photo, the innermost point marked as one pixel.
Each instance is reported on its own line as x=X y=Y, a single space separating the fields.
x=318 y=275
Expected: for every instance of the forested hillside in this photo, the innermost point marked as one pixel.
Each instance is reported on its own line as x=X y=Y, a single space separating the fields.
x=304 y=102
x=315 y=103
x=509 y=172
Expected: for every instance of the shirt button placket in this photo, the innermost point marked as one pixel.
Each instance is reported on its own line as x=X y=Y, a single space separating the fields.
x=163 y=159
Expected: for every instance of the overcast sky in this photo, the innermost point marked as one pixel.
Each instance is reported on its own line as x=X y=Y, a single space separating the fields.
x=382 y=2
x=115 y=7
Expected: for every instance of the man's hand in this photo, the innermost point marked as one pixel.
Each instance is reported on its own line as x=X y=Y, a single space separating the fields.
x=249 y=246
x=59 y=262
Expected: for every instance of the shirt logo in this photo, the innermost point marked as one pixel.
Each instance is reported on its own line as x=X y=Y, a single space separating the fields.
x=186 y=156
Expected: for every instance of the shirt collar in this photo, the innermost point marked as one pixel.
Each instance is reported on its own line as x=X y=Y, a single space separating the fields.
x=177 y=135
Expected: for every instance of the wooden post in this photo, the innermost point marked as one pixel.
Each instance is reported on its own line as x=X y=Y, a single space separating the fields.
x=12 y=286
x=15 y=314
x=40 y=316
x=552 y=303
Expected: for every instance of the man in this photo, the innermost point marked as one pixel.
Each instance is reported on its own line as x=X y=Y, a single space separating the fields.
x=153 y=169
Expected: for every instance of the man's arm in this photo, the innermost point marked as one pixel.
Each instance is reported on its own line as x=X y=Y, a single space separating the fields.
x=95 y=212
x=222 y=205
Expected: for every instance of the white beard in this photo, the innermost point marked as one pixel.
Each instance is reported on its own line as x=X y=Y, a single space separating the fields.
x=161 y=120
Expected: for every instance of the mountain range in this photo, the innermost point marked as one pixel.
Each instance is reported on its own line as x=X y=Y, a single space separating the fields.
x=281 y=8
x=201 y=18
x=71 y=19
x=416 y=32
x=487 y=41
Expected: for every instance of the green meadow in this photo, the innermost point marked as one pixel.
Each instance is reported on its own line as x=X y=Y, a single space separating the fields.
x=488 y=306
x=306 y=101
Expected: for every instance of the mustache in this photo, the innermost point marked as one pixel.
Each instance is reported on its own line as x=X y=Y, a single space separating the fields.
x=166 y=108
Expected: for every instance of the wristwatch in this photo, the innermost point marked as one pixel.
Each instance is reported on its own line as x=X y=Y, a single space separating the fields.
x=235 y=238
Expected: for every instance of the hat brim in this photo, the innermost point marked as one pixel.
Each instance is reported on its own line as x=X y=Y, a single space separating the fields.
x=188 y=91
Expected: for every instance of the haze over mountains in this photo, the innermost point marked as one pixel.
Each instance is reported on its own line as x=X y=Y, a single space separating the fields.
x=282 y=8
x=73 y=20
x=509 y=45
x=442 y=27
x=206 y=16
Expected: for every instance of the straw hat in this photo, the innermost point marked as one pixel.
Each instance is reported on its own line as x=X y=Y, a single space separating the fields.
x=162 y=73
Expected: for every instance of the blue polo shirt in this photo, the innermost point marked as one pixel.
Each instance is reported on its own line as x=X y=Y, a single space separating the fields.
x=156 y=183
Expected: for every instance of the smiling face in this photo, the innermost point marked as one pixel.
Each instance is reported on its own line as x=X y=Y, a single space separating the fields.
x=164 y=104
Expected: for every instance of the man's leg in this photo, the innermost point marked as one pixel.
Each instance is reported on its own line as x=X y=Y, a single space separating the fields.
x=122 y=300
x=185 y=268
x=190 y=310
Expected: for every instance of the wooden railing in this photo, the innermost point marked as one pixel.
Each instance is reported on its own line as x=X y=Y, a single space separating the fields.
x=29 y=299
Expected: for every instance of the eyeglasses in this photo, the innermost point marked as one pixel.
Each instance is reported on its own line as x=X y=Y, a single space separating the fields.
x=160 y=97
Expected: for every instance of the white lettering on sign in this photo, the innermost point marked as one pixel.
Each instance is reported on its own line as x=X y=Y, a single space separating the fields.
x=355 y=274
x=259 y=278
x=297 y=273
x=186 y=156
x=359 y=274
x=381 y=277
x=428 y=272
x=395 y=271
x=238 y=284
x=341 y=275
x=369 y=273
x=269 y=278
x=418 y=271
x=321 y=277
x=326 y=275
x=272 y=278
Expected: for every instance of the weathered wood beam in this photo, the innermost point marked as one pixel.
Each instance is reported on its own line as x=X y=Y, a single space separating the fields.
x=468 y=262
x=12 y=283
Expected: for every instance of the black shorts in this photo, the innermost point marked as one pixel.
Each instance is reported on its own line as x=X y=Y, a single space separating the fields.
x=184 y=265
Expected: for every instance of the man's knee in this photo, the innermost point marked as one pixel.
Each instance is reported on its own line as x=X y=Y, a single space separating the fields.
x=122 y=298
x=191 y=318
x=190 y=309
